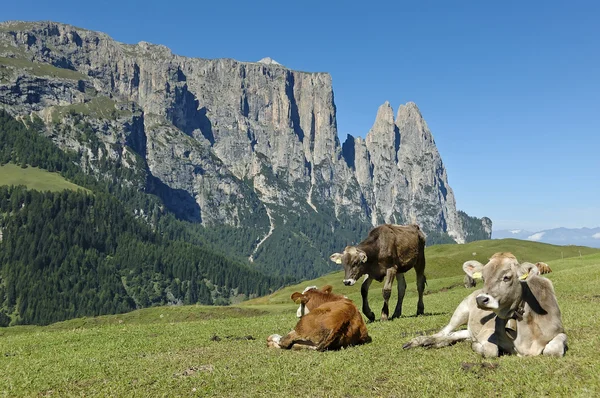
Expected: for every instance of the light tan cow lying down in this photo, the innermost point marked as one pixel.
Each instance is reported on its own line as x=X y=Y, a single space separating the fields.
x=511 y=292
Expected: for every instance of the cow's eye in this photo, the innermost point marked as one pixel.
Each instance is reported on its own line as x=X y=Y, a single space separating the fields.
x=506 y=278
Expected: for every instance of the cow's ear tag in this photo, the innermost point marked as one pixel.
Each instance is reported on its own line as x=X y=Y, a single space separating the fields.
x=524 y=276
x=476 y=275
x=298 y=300
x=338 y=261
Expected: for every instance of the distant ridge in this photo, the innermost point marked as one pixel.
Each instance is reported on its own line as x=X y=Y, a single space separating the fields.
x=556 y=236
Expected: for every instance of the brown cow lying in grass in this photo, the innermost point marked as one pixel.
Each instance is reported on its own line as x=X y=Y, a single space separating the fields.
x=330 y=322
x=511 y=292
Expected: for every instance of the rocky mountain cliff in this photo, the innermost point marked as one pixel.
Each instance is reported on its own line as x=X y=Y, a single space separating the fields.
x=223 y=142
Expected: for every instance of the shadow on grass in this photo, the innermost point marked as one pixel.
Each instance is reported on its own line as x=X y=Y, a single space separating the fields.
x=408 y=316
x=425 y=314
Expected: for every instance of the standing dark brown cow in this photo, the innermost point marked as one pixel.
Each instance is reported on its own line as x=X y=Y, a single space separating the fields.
x=387 y=253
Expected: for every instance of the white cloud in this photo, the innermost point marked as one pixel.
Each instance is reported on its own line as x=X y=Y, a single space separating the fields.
x=596 y=236
x=536 y=237
x=516 y=231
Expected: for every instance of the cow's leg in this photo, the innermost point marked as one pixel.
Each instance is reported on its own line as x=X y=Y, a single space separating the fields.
x=440 y=339
x=331 y=340
x=493 y=342
x=557 y=346
x=273 y=341
x=486 y=349
x=421 y=281
x=303 y=346
x=437 y=340
x=401 y=292
x=364 y=292
x=459 y=317
x=293 y=340
x=387 y=291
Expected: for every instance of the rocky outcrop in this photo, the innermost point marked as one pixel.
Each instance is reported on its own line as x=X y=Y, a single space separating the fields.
x=225 y=141
x=401 y=174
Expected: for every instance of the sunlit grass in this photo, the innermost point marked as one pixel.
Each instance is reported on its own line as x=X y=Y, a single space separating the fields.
x=34 y=178
x=172 y=351
x=40 y=69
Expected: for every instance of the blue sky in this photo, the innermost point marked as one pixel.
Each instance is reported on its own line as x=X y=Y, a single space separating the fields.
x=510 y=90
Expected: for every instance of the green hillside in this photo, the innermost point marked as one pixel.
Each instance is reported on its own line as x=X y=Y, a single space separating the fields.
x=67 y=252
x=34 y=178
x=221 y=352
x=444 y=265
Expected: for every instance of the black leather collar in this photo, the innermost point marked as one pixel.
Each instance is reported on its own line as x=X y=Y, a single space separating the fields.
x=518 y=314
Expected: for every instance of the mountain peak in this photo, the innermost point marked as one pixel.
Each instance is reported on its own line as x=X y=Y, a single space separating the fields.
x=269 y=61
x=408 y=110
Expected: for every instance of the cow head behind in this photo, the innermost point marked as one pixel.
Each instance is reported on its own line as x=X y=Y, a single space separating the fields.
x=312 y=297
x=543 y=268
x=502 y=277
x=297 y=297
x=351 y=259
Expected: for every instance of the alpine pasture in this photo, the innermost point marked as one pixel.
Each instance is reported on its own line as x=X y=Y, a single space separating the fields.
x=221 y=351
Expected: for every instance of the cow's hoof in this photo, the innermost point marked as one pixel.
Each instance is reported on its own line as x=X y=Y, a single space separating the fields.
x=370 y=317
x=408 y=345
x=273 y=341
x=384 y=317
x=416 y=342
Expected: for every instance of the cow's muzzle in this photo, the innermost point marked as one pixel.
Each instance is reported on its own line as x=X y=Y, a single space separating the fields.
x=349 y=282
x=486 y=302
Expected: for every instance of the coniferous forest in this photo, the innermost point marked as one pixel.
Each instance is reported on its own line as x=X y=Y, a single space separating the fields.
x=81 y=253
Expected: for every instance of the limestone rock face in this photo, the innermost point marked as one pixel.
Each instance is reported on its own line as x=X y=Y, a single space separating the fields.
x=401 y=174
x=222 y=141
x=429 y=196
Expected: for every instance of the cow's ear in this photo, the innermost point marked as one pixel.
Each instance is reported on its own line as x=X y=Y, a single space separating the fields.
x=362 y=256
x=527 y=270
x=327 y=289
x=473 y=269
x=336 y=258
x=299 y=298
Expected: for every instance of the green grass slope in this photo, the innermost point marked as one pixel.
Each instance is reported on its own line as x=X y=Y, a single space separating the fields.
x=34 y=178
x=38 y=69
x=172 y=351
x=444 y=266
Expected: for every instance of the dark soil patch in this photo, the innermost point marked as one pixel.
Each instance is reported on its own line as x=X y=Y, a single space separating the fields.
x=231 y=338
x=192 y=370
x=444 y=289
x=478 y=367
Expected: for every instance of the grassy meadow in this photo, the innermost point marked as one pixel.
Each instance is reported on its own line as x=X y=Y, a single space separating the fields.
x=34 y=178
x=221 y=351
